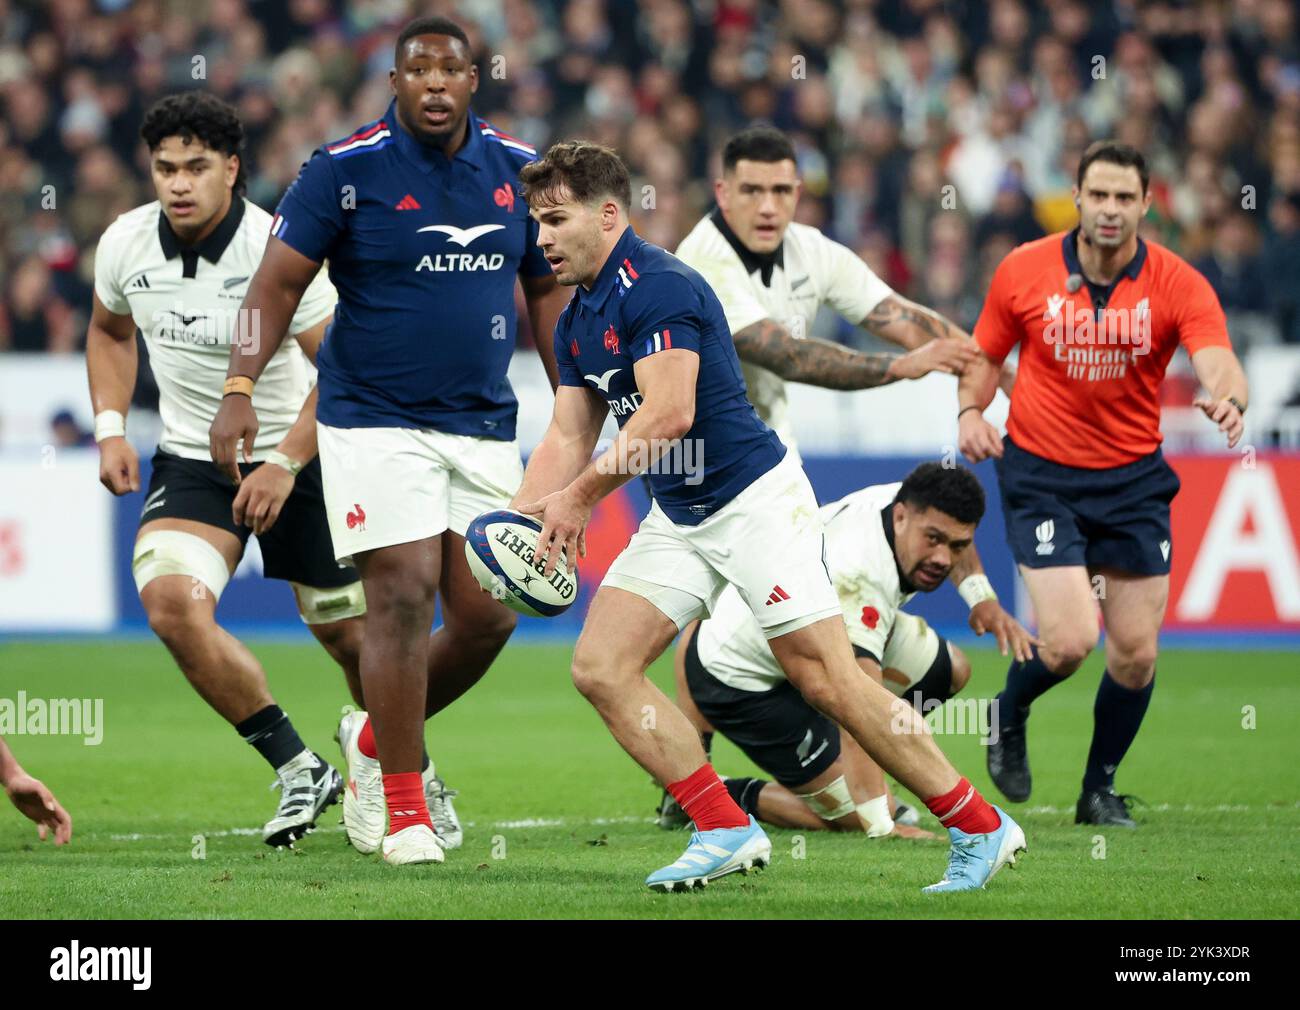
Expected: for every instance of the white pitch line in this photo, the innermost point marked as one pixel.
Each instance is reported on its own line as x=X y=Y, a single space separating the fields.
x=596 y=822
x=518 y=825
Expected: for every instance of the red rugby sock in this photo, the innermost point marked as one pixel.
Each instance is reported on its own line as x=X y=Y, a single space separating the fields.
x=366 y=740
x=404 y=792
x=965 y=809
x=706 y=800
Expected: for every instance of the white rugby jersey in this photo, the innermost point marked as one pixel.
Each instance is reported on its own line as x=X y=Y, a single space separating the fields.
x=807 y=270
x=186 y=302
x=865 y=576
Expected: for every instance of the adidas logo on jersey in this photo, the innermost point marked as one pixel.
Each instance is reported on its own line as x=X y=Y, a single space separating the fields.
x=141 y=283
x=778 y=595
x=408 y=202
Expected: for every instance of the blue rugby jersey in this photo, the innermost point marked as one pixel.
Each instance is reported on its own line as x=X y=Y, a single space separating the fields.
x=423 y=251
x=644 y=301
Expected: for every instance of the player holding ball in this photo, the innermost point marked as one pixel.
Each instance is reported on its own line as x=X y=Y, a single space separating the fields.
x=645 y=337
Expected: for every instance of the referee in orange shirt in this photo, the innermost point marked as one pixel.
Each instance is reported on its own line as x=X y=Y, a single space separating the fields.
x=1098 y=312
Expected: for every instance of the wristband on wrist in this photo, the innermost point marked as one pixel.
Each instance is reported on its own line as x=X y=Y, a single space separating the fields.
x=1236 y=403
x=964 y=409
x=975 y=589
x=109 y=424
x=288 y=462
x=238 y=384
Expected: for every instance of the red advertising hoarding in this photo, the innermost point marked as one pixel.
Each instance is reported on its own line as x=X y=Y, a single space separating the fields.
x=1236 y=536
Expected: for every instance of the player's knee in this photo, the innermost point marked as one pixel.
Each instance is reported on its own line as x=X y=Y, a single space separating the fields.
x=1066 y=652
x=1132 y=666
x=176 y=619
x=960 y=669
x=399 y=601
x=591 y=676
x=342 y=640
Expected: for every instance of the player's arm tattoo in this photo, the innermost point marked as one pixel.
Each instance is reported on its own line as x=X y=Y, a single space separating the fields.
x=816 y=362
x=904 y=322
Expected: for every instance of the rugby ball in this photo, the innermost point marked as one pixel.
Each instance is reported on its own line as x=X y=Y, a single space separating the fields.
x=500 y=547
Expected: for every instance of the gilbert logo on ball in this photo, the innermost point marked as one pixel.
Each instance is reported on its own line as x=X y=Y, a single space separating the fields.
x=501 y=548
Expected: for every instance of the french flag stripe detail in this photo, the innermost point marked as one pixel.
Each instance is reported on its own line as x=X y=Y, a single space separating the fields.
x=627 y=283
x=506 y=140
x=278 y=225
x=668 y=341
x=369 y=140
x=361 y=134
x=631 y=271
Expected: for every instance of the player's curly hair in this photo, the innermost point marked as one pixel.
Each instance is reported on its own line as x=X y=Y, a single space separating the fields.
x=953 y=490
x=198 y=114
x=586 y=171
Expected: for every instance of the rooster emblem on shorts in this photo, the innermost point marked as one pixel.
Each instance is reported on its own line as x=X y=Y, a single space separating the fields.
x=357 y=519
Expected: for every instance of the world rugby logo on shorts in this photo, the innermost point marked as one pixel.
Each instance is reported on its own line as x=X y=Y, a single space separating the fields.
x=1045 y=531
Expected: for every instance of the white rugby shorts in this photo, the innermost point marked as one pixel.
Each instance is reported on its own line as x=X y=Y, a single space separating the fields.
x=386 y=486
x=768 y=542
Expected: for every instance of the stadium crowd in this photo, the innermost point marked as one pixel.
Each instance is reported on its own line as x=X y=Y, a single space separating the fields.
x=932 y=136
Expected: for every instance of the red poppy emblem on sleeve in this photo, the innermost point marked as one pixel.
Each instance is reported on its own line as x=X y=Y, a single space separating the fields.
x=870 y=617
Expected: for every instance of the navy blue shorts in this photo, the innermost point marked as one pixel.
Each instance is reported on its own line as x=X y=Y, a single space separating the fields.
x=1059 y=515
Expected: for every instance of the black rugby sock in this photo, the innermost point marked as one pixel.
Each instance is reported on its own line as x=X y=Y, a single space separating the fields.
x=1117 y=715
x=1025 y=682
x=273 y=735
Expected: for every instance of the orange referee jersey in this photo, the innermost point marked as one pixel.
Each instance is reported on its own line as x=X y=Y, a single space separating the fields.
x=1091 y=360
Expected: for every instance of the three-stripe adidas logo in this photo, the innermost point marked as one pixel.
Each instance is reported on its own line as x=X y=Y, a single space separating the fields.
x=779 y=595
x=408 y=202
x=141 y=282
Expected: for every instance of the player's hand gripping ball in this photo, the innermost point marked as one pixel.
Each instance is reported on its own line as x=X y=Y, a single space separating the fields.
x=501 y=548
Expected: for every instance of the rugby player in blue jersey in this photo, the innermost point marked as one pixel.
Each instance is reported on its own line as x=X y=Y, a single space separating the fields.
x=646 y=338
x=420 y=217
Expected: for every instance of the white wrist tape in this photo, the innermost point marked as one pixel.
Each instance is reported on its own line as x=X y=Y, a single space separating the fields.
x=875 y=817
x=975 y=589
x=288 y=462
x=109 y=424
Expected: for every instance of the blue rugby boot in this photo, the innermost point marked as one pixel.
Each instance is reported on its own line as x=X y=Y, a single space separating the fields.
x=713 y=854
x=973 y=859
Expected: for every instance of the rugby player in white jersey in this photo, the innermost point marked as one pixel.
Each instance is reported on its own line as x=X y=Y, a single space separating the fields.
x=772 y=275
x=177 y=269
x=877 y=540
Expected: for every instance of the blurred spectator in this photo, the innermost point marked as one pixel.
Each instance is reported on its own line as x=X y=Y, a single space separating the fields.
x=933 y=137
x=1281 y=265
x=67 y=433
x=34 y=317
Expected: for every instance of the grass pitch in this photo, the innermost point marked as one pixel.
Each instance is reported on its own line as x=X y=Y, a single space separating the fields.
x=167 y=809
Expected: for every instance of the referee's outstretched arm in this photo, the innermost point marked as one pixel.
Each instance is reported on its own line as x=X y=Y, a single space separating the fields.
x=264 y=318
x=1224 y=380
